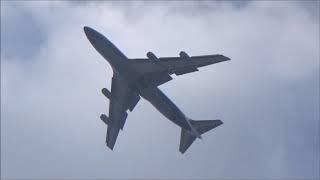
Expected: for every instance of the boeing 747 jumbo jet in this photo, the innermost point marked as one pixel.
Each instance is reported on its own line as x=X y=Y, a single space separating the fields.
x=133 y=78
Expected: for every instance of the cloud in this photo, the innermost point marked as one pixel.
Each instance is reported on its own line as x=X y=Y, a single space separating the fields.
x=16 y=18
x=267 y=96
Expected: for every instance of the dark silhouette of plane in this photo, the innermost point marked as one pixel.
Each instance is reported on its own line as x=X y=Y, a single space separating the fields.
x=133 y=78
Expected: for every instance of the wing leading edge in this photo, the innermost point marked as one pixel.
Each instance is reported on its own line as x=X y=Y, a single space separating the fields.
x=158 y=70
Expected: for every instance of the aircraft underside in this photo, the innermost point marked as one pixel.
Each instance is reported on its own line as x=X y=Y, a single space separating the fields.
x=135 y=78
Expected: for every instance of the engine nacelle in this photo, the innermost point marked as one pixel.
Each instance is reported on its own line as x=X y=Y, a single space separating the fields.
x=106 y=92
x=105 y=119
x=184 y=55
x=151 y=56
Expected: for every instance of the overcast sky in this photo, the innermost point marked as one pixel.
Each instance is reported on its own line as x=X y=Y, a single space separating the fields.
x=267 y=95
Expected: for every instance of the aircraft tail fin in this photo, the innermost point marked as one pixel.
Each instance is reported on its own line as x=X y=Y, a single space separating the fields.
x=187 y=137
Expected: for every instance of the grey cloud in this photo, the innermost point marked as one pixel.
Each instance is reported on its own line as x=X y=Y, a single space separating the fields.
x=23 y=34
x=267 y=96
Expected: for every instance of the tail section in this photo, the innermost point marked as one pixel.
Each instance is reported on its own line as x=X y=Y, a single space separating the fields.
x=201 y=127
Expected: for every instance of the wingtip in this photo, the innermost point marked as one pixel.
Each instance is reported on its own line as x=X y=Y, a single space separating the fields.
x=182 y=152
x=227 y=58
x=109 y=146
x=218 y=122
x=223 y=58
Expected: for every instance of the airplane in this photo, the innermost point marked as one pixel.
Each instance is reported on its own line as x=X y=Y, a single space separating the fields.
x=140 y=77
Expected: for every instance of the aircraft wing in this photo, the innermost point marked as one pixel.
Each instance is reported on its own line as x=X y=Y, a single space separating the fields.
x=179 y=65
x=122 y=98
x=158 y=70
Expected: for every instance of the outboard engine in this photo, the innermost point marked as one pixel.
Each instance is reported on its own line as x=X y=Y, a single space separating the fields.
x=105 y=119
x=184 y=55
x=151 y=56
x=106 y=92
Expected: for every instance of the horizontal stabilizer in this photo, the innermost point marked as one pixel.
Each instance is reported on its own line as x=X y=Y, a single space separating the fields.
x=187 y=137
x=205 y=125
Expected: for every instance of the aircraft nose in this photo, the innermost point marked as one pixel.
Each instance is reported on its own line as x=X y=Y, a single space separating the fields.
x=90 y=33
x=86 y=30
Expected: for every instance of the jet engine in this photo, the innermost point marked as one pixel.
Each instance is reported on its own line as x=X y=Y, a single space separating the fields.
x=105 y=119
x=106 y=92
x=184 y=55
x=151 y=56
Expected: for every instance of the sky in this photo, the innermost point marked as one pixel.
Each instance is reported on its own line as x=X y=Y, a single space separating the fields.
x=267 y=95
